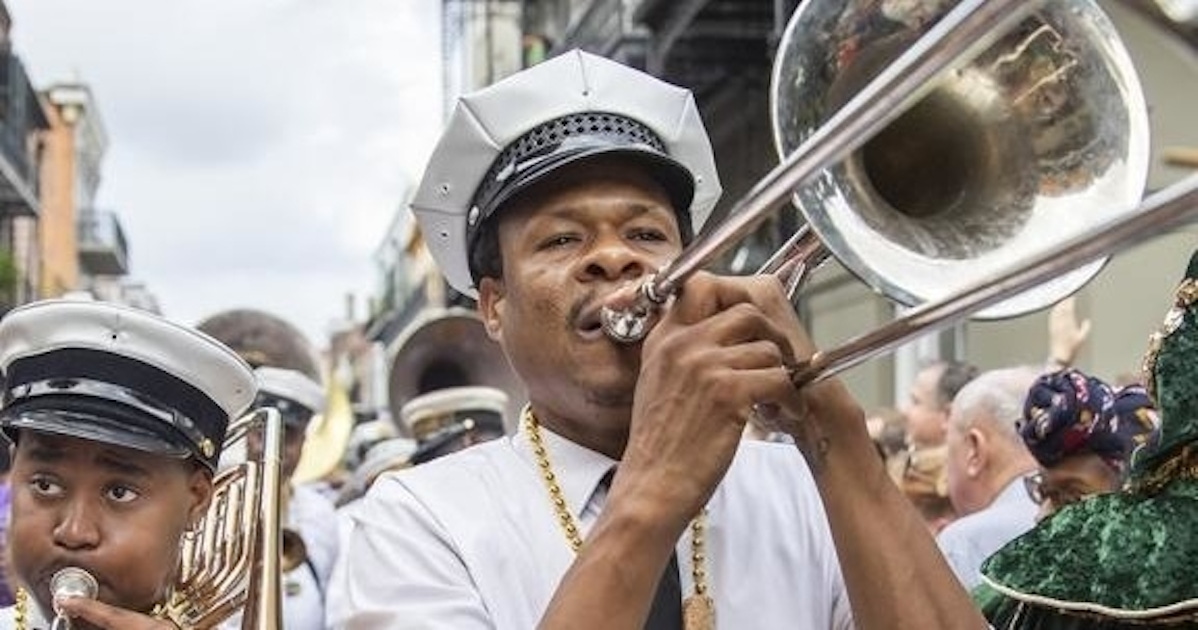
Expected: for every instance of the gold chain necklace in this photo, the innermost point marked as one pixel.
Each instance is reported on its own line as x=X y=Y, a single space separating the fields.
x=21 y=609
x=698 y=610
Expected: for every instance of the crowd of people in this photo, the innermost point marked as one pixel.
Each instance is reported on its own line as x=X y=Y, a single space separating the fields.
x=681 y=482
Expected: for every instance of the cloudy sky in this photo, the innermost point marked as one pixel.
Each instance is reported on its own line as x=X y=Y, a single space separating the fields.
x=258 y=148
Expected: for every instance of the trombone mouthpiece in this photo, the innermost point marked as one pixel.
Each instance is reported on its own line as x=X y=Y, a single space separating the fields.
x=625 y=326
x=72 y=582
x=630 y=324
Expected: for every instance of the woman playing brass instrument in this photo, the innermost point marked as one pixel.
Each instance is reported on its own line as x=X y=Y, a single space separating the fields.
x=117 y=418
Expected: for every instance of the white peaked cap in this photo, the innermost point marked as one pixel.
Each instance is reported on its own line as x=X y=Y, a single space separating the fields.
x=120 y=375
x=486 y=122
x=292 y=385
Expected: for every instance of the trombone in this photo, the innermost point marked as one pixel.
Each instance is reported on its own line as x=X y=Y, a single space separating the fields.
x=1169 y=209
x=824 y=161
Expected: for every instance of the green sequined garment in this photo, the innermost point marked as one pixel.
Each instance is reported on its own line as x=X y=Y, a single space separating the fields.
x=1005 y=613
x=1121 y=552
x=1130 y=559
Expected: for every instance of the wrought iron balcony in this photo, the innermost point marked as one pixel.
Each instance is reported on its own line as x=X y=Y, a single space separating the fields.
x=21 y=117
x=103 y=250
x=605 y=27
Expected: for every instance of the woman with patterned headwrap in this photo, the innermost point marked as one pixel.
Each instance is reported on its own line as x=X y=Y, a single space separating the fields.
x=1082 y=433
x=1126 y=559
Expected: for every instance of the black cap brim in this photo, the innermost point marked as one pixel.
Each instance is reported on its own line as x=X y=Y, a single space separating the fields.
x=113 y=427
x=674 y=178
x=484 y=424
x=294 y=414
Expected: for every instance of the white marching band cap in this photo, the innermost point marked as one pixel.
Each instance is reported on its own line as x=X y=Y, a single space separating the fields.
x=506 y=137
x=385 y=455
x=452 y=404
x=284 y=389
x=119 y=375
x=364 y=436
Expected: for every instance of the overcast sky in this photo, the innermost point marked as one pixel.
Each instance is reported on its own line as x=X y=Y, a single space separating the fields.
x=258 y=149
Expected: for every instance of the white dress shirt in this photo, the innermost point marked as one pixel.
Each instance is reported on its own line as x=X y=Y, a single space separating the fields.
x=313 y=514
x=314 y=518
x=346 y=514
x=35 y=621
x=969 y=540
x=471 y=541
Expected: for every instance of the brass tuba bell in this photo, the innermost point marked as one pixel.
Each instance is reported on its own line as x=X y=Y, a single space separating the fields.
x=448 y=348
x=264 y=339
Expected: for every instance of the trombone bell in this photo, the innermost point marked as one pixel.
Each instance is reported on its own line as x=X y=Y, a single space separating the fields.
x=1042 y=136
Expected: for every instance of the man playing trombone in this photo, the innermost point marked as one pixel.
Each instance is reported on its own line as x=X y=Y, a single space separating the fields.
x=627 y=499
x=117 y=419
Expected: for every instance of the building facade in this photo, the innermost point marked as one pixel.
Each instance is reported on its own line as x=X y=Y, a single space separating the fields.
x=82 y=247
x=407 y=285
x=480 y=44
x=22 y=121
x=54 y=240
x=723 y=50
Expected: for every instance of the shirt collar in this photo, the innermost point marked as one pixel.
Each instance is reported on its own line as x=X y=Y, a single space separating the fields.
x=35 y=621
x=578 y=469
x=1013 y=492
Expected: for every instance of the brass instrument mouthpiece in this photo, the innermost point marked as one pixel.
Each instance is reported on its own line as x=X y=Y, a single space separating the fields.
x=72 y=582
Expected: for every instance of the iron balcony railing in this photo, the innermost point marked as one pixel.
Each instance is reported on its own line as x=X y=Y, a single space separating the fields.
x=605 y=27
x=21 y=118
x=103 y=250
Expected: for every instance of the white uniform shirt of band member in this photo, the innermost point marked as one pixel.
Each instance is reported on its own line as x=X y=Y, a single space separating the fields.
x=104 y=393
x=472 y=540
x=309 y=513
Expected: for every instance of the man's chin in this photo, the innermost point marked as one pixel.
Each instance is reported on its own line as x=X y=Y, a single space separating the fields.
x=612 y=395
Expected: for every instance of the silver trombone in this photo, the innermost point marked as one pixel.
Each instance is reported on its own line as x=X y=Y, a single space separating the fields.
x=1169 y=209
x=1041 y=72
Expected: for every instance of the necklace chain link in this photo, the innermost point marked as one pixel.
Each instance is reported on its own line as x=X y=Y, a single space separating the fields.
x=569 y=526
x=21 y=612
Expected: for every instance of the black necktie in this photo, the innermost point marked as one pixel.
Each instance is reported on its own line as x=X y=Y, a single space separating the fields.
x=666 y=610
